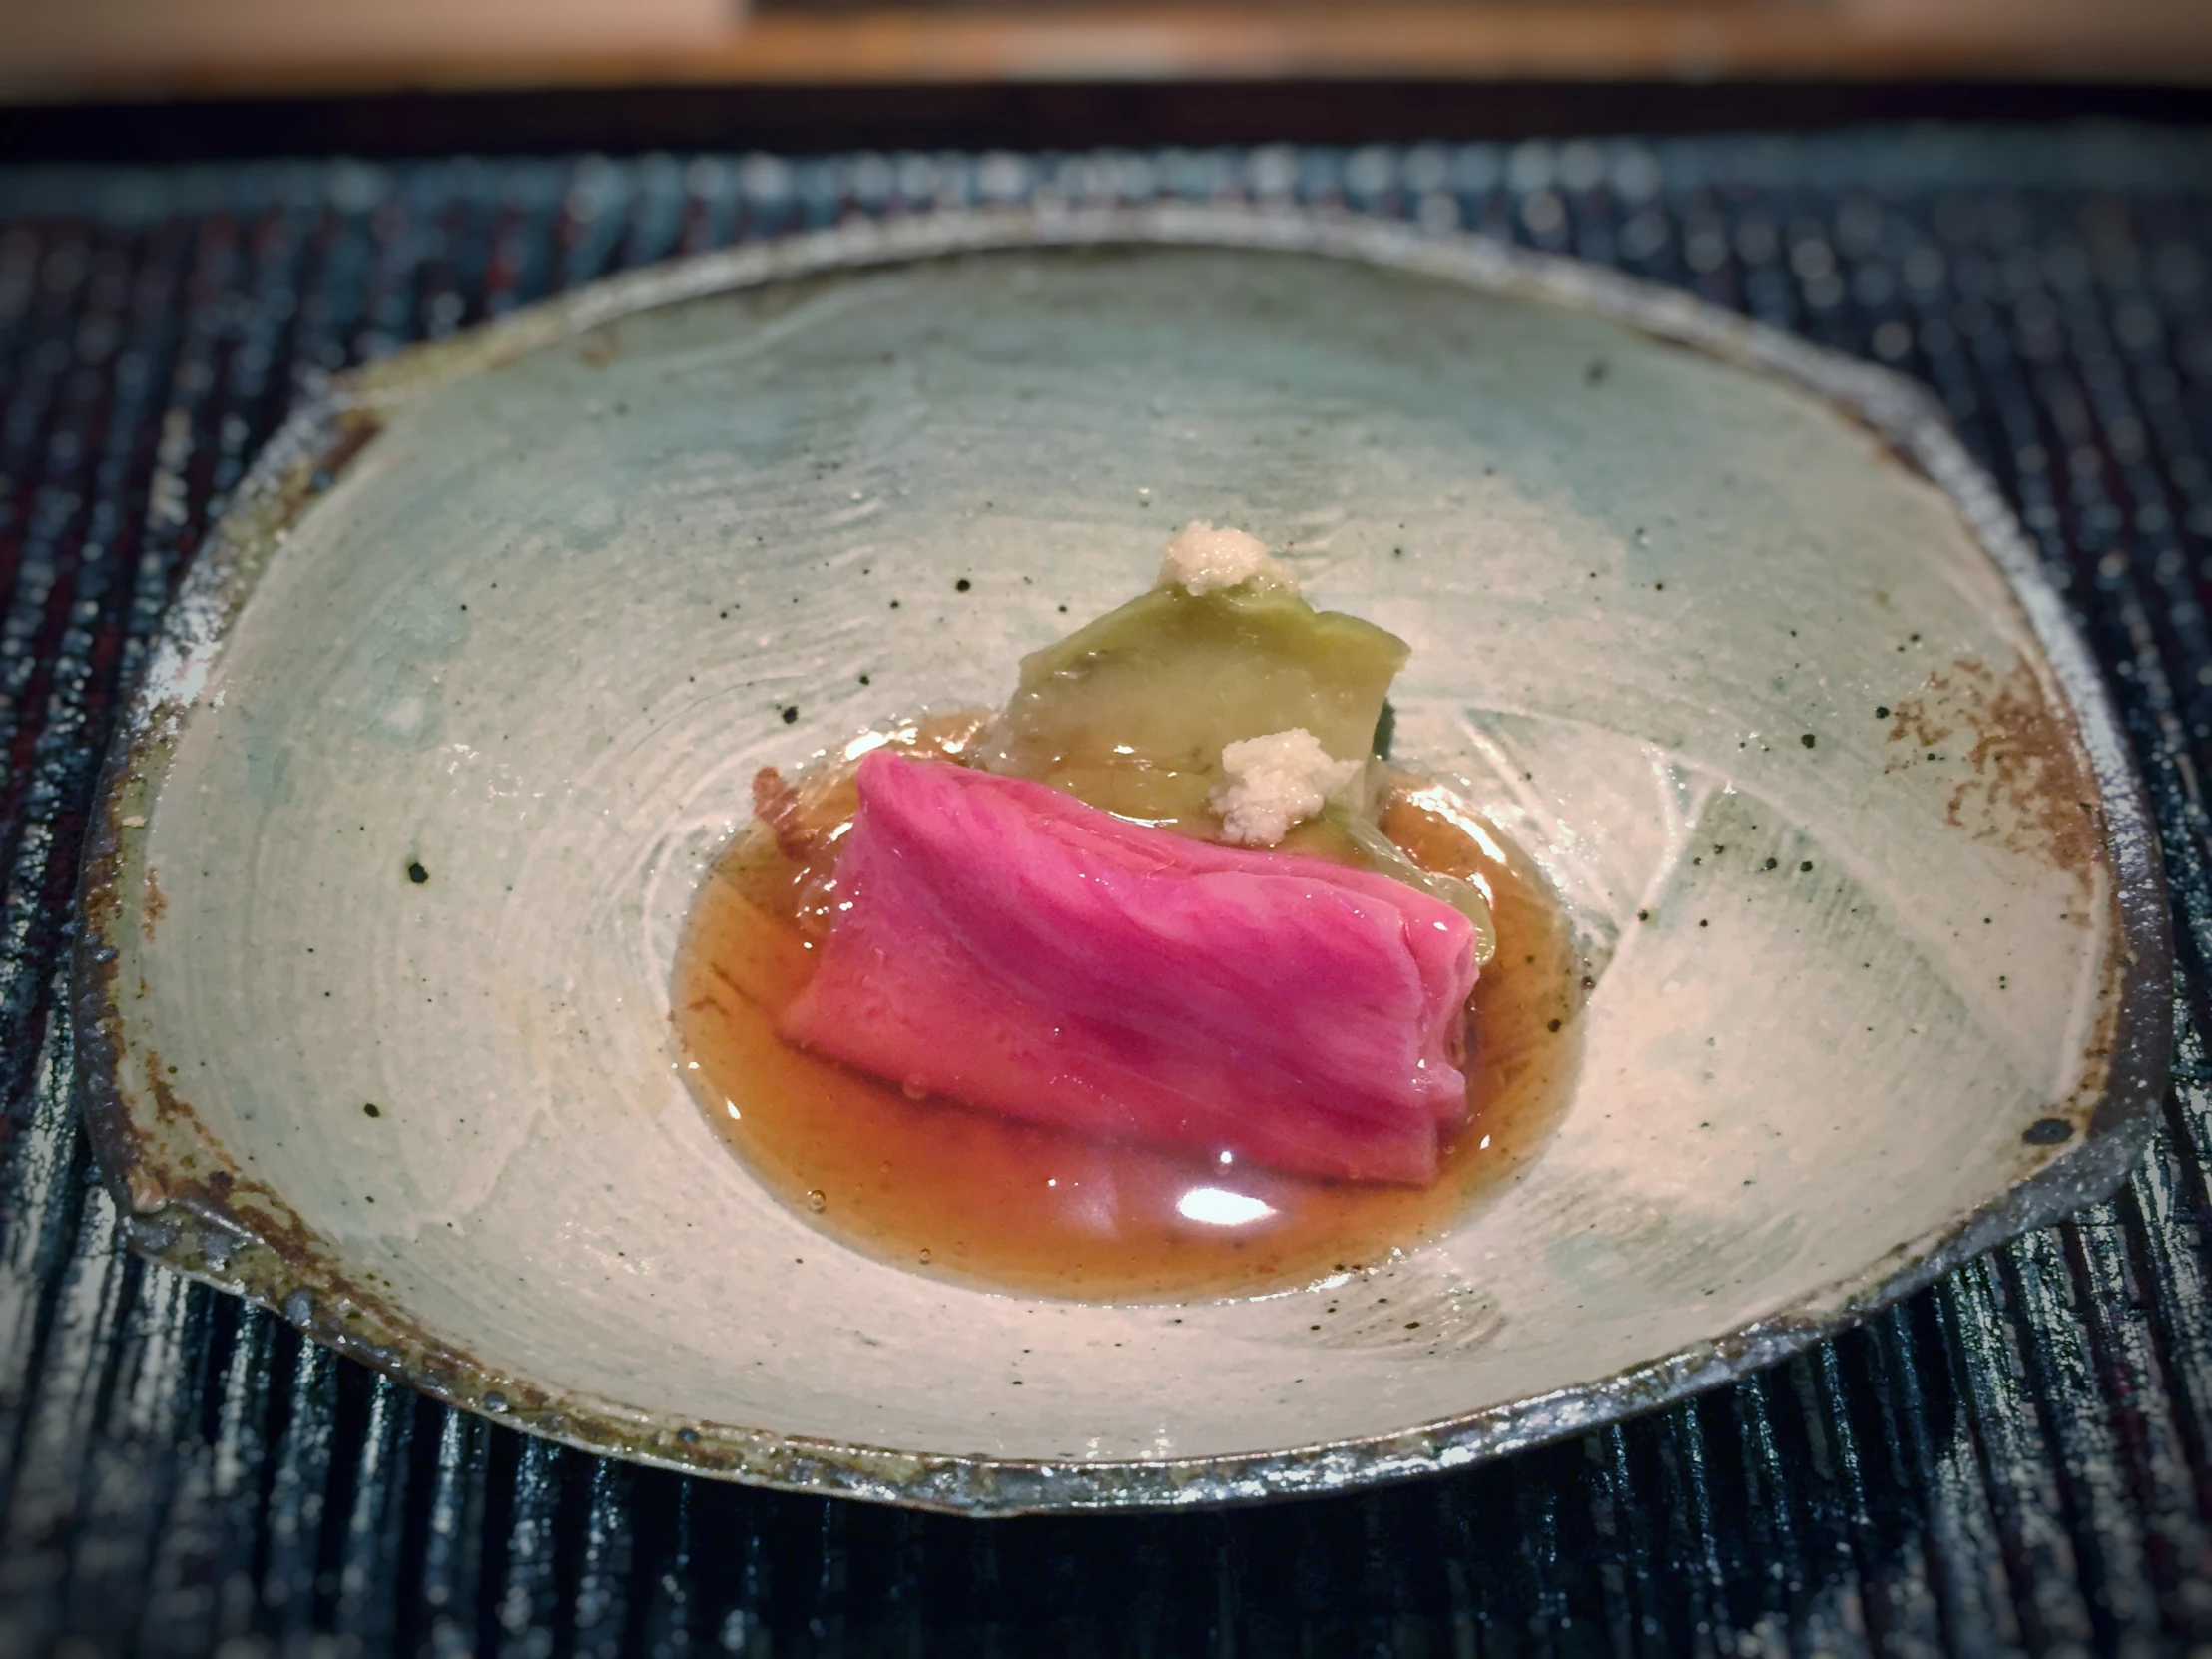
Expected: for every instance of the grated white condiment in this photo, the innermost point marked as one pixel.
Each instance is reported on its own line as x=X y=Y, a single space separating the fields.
x=1201 y=559
x=1274 y=781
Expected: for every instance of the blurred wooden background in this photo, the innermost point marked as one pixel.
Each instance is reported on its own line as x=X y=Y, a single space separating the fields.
x=55 y=51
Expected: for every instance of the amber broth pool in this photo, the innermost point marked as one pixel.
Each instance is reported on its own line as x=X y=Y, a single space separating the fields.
x=946 y=1189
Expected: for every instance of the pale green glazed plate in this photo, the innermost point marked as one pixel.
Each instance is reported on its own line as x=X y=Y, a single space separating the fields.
x=522 y=613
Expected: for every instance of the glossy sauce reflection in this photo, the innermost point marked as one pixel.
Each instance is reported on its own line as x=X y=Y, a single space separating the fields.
x=945 y=1189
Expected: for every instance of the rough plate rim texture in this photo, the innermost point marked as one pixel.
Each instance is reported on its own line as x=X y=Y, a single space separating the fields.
x=246 y=1242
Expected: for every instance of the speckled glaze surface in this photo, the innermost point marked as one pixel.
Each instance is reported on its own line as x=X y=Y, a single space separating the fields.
x=1727 y=632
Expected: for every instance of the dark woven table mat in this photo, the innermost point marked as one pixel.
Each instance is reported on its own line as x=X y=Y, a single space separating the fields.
x=2013 y=1461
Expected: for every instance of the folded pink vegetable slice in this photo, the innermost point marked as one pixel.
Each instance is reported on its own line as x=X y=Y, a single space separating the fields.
x=1006 y=946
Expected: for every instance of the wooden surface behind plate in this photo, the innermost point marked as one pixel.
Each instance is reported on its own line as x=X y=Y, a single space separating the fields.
x=140 y=48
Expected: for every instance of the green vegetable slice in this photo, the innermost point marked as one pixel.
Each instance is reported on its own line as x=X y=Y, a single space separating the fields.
x=1131 y=712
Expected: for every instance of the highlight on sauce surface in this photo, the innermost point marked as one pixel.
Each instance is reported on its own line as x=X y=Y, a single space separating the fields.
x=1154 y=985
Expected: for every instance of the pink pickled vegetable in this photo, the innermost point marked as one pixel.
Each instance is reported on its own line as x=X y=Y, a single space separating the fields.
x=1003 y=945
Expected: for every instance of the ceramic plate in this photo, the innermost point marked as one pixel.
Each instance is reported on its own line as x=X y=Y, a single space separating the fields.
x=1726 y=632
